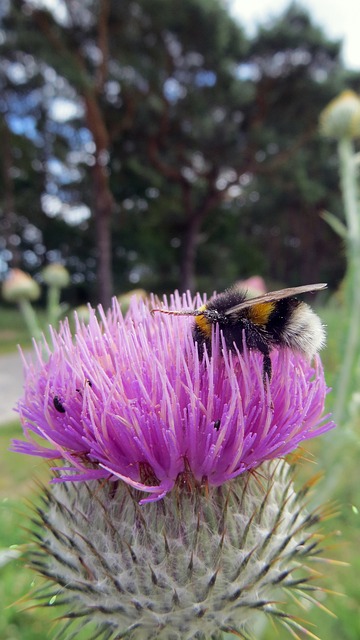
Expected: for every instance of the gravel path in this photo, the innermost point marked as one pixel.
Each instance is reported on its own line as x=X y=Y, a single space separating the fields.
x=11 y=385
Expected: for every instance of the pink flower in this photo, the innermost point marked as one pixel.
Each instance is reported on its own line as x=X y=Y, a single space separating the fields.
x=130 y=398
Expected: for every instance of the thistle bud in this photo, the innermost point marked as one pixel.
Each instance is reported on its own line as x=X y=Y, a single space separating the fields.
x=341 y=118
x=20 y=286
x=56 y=275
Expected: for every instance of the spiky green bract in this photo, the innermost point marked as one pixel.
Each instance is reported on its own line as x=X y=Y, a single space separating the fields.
x=201 y=562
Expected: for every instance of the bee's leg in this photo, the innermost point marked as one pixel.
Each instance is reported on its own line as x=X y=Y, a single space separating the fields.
x=255 y=339
x=203 y=343
x=266 y=368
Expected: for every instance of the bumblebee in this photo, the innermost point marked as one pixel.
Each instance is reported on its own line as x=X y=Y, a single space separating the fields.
x=275 y=319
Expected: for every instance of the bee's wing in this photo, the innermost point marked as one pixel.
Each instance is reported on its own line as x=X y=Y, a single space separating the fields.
x=276 y=295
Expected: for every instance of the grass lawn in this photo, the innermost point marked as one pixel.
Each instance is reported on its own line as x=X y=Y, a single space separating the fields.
x=13 y=330
x=16 y=486
x=18 y=491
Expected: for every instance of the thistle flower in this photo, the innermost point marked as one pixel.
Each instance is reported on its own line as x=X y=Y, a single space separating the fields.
x=172 y=516
x=131 y=399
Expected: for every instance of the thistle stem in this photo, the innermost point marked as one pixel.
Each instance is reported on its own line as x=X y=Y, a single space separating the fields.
x=29 y=316
x=350 y=197
x=345 y=383
x=53 y=304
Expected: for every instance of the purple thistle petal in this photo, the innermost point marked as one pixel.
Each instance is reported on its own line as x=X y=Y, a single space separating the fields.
x=130 y=398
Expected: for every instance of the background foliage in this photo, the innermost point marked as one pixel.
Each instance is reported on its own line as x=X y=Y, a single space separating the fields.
x=157 y=145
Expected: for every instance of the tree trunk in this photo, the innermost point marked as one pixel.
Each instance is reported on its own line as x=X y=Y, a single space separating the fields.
x=91 y=92
x=103 y=210
x=103 y=200
x=188 y=261
x=195 y=218
x=8 y=193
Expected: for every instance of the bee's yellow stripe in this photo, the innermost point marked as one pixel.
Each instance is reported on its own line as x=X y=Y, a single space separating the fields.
x=202 y=323
x=260 y=313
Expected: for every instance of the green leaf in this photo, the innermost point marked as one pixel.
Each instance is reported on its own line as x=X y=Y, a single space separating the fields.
x=336 y=224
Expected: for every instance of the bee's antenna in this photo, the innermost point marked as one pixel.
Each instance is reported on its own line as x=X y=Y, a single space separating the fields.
x=184 y=312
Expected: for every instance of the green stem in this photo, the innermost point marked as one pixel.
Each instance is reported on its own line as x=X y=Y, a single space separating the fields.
x=348 y=181
x=347 y=378
x=53 y=304
x=29 y=316
x=349 y=190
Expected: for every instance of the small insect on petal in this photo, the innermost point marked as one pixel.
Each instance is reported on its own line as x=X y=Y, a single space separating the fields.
x=58 y=405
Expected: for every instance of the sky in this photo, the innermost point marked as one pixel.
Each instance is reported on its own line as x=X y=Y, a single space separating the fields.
x=340 y=19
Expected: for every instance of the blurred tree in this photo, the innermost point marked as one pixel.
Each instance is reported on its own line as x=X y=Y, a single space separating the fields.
x=75 y=52
x=34 y=175
x=167 y=109
x=230 y=135
x=95 y=50
x=297 y=69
